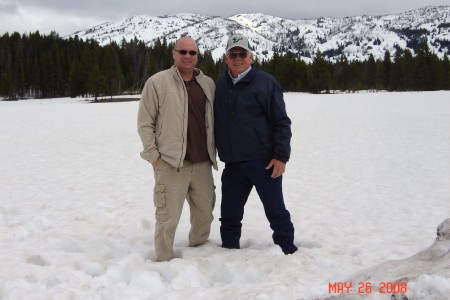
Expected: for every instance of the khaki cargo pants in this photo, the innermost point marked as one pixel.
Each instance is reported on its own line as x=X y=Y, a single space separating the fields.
x=193 y=182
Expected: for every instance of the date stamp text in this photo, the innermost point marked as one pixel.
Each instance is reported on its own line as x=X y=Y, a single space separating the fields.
x=342 y=287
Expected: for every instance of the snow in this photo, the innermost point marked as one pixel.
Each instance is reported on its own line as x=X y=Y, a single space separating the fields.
x=367 y=185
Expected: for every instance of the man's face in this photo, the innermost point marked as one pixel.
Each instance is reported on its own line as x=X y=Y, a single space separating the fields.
x=183 y=55
x=238 y=60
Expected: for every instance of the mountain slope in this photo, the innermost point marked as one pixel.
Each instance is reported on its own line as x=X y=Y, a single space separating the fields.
x=355 y=37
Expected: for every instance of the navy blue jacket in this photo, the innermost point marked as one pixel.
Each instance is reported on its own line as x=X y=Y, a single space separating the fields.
x=250 y=119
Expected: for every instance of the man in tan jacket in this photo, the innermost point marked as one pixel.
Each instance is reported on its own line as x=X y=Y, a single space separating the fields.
x=175 y=123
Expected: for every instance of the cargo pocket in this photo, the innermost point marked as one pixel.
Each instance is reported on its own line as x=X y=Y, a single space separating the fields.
x=159 y=199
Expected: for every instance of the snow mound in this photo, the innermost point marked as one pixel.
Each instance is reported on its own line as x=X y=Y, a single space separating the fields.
x=431 y=265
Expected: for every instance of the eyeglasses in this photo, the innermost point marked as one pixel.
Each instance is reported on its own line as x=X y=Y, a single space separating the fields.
x=236 y=54
x=184 y=52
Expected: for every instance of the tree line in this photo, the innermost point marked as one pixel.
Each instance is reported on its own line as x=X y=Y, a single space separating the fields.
x=46 y=66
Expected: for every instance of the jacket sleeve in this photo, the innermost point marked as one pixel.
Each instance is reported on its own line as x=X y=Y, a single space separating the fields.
x=281 y=125
x=146 y=121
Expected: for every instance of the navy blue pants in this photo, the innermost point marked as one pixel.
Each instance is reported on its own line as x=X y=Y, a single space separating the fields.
x=238 y=180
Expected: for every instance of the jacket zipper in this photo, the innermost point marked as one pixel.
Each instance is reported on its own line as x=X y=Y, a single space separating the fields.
x=184 y=118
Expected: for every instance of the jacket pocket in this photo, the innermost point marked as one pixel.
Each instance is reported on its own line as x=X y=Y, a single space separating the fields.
x=159 y=200
x=159 y=167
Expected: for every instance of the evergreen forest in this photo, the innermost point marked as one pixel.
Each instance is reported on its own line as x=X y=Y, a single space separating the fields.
x=48 y=66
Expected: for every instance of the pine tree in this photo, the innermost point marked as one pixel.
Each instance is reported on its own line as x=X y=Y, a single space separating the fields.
x=425 y=71
x=320 y=75
x=397 y=79
x=371 y=73
x=446 y=73
x=76 y=83
x=340 y=69
x=409 y=69
x=96 y=82
x=387 y=69
x=112 y=70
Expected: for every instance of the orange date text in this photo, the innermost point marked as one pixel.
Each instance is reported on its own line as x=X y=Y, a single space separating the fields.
x=346 y=287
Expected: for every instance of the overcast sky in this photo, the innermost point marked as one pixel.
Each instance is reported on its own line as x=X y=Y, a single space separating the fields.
x=66 y=17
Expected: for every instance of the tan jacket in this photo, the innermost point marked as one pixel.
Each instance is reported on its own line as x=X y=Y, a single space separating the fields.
x=163 y=113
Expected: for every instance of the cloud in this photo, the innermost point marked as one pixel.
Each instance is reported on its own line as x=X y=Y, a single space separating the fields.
x=7 y=8
x=25 y=19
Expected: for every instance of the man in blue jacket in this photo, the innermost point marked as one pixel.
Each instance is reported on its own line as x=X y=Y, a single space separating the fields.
x=252 y=135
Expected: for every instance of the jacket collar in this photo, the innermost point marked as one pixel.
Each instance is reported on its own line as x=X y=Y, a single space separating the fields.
x=247 y=78
x=197 y=72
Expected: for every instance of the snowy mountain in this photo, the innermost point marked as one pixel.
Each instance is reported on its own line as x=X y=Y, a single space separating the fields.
x=355 y=37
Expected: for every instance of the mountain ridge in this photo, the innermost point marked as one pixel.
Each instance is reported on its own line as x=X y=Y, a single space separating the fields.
x=354 y=37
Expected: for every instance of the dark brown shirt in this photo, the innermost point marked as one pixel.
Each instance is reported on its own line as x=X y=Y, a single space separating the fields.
x=196 y=150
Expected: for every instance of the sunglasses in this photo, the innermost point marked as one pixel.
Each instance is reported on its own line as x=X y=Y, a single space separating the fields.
x=184 y=52
x=236 y=54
